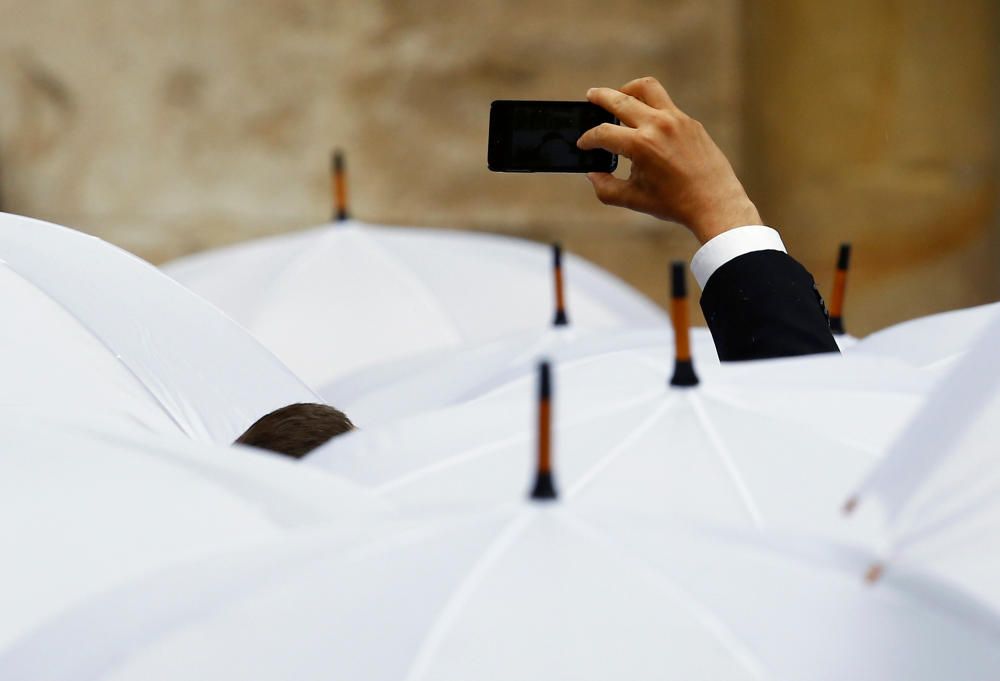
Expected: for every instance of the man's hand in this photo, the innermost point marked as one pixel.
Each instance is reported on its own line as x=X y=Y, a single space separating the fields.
x=678 y=173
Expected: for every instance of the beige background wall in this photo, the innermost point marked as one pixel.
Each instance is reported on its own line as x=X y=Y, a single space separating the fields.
x=877 y=122
x=169 y=127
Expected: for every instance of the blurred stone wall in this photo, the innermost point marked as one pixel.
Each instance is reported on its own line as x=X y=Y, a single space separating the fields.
x=878 y=122
x=169 y=127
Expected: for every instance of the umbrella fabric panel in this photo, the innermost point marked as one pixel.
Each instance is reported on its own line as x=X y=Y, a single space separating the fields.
x=328 y=301
x=526 y=292
x=505 y=415
x=83 y=510
x=939 y=484
x=771 y=454
x=864 y=401
x=204 y=371
x=802 y=608
x=545 y=602
x=926 y=341
x=237 y=278
x=845 y=341
x=52 y=363
x=392 y=391
x=662 y=458
x=520 y=592
x=336 y=299
x=375 y=612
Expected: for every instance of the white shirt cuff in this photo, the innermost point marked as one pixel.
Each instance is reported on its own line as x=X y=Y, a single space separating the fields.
x=732 y=244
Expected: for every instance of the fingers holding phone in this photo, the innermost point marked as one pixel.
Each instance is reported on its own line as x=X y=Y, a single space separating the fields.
x=615 y=138
x=649 y=91
x=678 y=172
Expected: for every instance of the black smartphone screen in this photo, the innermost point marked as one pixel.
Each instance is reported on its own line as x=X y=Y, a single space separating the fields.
x=540 y=137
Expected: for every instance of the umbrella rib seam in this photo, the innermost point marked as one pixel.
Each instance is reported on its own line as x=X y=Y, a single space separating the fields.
x=656 y=574
x=107 y=347
x=728 y=464
x=446 y=618
x=617 y=451
x=486 y=449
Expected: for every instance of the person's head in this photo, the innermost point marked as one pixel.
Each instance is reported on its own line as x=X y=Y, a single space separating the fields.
x=297 y=429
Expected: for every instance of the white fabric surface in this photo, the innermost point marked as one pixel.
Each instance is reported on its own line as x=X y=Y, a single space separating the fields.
x=937 y=339
x=939 y=485
x=774 y=443
x=527 y=592
x=332 y=300
x=396 y=390
x=82 y=509
x=93 y=328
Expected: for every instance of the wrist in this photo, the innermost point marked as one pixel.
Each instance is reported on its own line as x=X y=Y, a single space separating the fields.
x=723 y=217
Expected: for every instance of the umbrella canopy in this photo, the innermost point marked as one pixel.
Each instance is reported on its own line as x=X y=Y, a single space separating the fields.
x=394 y=390
x=762 y=444
x=91 y=327
x=939 y=486
x=937 y=339
x=84 y=510
x=335 y=299
x=540 y=590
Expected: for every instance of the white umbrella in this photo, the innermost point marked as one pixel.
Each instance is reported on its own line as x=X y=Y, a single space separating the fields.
x=763 y=444
x=386 y=392
x=939 y=485
x=534 y=591
x=89 y=327
x=573 y=588
x=935 y=340
x=758 y=444
x=335 y=299
x=81 y=510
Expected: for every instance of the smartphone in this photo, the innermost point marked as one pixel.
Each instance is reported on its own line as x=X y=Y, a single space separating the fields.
x=540 y=137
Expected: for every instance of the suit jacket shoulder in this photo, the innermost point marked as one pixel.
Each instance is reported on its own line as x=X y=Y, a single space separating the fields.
x=765 y=304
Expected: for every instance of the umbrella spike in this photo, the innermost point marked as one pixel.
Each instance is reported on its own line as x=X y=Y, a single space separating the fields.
x=839 y=288
x=874 y=573
x=684 y=374
x=544 y=488
x=560 y=319
x=338 y=175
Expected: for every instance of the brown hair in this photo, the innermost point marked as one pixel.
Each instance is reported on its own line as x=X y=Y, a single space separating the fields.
x=297 y=429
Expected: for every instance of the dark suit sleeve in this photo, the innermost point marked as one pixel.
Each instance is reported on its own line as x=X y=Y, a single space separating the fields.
x=765 y=304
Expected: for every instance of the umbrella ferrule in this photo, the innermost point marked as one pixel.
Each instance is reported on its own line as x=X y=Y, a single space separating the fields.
x=684 y=374
x=544 y=488
x=561 y=318
x=839 y=290
x=339 y=188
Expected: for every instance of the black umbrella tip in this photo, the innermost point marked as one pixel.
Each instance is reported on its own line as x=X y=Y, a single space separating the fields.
x=544 y=380
x=844 y=257
x=556 y=254
x=338 y=162
x=684 y=375
x=678 y=280
x=545 y=488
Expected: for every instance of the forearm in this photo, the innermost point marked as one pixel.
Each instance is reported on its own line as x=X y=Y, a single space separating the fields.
x=764 y=304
